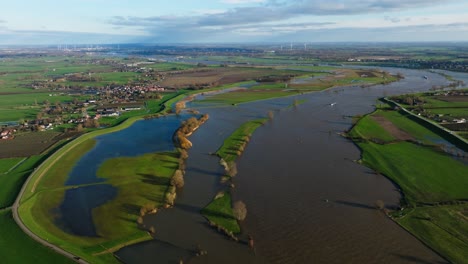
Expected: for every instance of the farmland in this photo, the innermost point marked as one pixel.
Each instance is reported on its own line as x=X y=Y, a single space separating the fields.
x=447 y=108
x=404 y=151
x=320 y=81
x=51 y=99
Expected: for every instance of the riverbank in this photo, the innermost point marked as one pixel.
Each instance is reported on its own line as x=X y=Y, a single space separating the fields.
x=432 y=182
x=45 y=189
x=129 y=188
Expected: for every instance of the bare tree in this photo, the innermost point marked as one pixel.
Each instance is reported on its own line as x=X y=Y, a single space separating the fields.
x=379 y=204
x=270 y=115
x=178 y=179
x=240 y=210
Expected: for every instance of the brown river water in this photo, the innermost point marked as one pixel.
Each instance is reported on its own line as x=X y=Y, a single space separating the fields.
x=307 y=201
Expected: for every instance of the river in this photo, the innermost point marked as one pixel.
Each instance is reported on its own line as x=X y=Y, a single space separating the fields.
x=307 y=201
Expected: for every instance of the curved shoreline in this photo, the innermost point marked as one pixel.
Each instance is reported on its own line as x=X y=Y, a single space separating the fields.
x=40 y=171
x=44 y=167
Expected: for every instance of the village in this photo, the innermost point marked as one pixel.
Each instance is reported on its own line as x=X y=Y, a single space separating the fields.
x=75 y=115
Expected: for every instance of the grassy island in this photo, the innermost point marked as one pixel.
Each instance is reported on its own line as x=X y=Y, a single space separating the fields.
x=235 y=144
x=432 y=181
x=220 y=211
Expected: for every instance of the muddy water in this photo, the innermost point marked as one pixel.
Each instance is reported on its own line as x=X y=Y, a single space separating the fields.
x=307 y=201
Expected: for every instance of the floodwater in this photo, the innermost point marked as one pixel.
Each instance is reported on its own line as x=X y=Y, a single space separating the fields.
x=145 y=136
x=307 y=201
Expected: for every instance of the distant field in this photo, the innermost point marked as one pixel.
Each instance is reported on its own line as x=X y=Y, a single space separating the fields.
x=280 y=89
x=28 y=144
x=442 y=107
x=222 y=76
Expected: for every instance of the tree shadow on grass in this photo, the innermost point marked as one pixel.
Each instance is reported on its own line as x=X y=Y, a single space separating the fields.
x=131 y=209
x=154 y=198
x=414 y=259
x=153 y=179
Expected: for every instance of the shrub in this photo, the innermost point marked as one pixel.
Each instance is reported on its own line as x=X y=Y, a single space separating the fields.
x=240 y=210
x=178 y=179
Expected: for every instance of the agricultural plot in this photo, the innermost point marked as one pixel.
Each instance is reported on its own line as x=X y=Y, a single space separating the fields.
x=208 y=77
x=28 y=144
x=447 y=108
x=432 y=181
x=321 y=81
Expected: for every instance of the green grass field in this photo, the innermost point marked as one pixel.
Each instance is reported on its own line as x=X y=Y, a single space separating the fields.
x=427 y=178
x=219 y=211
x=443 y=228
x=419 y=132
x=12 y=182
x=237 y=141
x=17 y=248
x=14 y=107
x=142 y=182
x=369 y=129
x=424 y=175
x=7 y=164
x=238 y=97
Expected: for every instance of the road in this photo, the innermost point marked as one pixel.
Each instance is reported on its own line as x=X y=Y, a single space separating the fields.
x=45 y=243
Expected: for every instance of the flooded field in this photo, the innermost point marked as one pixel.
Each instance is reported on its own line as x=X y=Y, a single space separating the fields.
x=307 y=201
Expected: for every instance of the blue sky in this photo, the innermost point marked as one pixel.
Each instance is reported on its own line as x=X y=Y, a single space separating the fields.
x=221 y=21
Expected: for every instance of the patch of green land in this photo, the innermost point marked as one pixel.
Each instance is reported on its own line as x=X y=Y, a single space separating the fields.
x=237 y=97
x=369 y=129
x=432 y=181
x=270 y=90
x=142 y=183
x=424 y=175
x=17 y=248
x=443 y=228
x=8 y=163
x=219 y=211
x=12 y=182
x=234 y=145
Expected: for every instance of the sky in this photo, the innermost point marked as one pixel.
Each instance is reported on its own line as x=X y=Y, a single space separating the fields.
x=231 y=21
